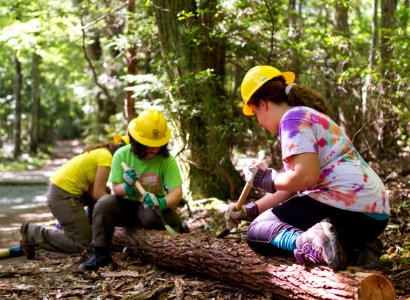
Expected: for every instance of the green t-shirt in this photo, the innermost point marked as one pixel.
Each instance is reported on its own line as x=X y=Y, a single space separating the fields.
x=153 y=174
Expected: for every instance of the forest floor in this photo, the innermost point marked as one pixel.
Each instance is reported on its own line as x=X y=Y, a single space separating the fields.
x=55 y=276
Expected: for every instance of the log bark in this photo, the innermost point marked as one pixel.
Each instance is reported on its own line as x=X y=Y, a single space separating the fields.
x=234 y=262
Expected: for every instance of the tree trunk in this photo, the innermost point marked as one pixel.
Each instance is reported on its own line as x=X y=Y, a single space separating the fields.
x=234 y=262
x=369 y=104
x=35 y=106
x=387 y=135
x=131 y=58
x=196 y=69
x=295 y=34
x=17 y=86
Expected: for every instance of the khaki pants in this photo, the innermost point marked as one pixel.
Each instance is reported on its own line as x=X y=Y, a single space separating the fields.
x=69 y=211
x=111 y=211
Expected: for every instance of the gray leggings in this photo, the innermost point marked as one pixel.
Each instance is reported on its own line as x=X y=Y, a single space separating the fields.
x=112 y=211
x=68 y=209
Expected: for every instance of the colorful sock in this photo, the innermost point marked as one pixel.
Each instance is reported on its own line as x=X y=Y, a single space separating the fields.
x=286 y=239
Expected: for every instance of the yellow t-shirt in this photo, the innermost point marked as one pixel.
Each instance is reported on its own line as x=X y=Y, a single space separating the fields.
x=78 y=173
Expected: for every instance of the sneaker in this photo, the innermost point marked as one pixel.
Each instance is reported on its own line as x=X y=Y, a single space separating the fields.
x=99 y=257
x=26 y=245
x=320 y=244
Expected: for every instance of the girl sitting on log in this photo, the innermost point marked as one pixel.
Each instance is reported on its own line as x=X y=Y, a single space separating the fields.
x=327 y=202
x=150 y=166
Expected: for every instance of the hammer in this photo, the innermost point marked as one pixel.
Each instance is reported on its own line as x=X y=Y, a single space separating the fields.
x=245 y=192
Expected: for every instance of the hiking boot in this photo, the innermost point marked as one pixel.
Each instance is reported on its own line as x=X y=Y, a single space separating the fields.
x=99 y=257
x=184 y=228
x=320 y=244
x=26 y=245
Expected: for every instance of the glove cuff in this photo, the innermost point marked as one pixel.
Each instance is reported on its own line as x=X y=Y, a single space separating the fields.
x=162 y=203
x=263 y=180
x=252 y=211
x=128 y=189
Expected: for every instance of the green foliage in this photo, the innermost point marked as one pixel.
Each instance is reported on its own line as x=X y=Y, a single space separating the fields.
x=196 y=94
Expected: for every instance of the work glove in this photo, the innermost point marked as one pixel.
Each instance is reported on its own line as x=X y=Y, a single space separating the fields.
x=130 y=177
x=153 y=201
x=261 y=177
x=233 y=217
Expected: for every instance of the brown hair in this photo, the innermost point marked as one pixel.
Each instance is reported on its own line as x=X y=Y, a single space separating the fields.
x=110 y=146
x=274 y=91
x=140 y=150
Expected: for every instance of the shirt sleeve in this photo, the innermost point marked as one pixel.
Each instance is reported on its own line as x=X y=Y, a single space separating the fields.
x=116 y=168
x=172 y=175
x=104 y=158
x=297 y=134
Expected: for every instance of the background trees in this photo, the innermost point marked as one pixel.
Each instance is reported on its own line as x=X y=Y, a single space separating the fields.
x=81 y=69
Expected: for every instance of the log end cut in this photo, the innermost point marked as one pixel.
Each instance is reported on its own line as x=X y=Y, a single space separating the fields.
x=376 y=287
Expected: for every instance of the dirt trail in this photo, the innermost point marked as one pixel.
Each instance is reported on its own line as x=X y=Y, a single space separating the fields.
x=62 y=151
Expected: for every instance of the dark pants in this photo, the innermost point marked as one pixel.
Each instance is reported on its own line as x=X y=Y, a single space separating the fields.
x=300 y=213
x=112 y=211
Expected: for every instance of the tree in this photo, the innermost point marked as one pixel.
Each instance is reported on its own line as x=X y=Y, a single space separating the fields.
x=194 y=60
x=233 y=261
x=17 y=113
x=35 y=108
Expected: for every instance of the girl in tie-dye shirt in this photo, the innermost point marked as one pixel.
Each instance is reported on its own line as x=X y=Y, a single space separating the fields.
x=326 y=204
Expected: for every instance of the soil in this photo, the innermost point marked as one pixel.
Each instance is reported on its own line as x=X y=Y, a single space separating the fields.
x=55 y=276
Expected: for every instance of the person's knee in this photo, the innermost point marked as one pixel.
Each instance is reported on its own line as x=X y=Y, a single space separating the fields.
x=105 y=203
x=149 y=219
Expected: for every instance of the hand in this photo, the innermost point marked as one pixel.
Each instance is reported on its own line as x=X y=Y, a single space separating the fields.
x=130 y=176
x=250 y=170
x=248 y=212
x=153 y=201
x=233 y=217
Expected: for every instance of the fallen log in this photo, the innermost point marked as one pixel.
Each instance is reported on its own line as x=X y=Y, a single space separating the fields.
x=234 y=262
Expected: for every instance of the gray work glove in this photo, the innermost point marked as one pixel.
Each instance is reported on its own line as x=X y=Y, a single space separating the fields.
x=233 y=217
x=261 y=177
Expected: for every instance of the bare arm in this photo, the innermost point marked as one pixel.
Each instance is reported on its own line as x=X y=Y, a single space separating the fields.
x=118 y=189
x=304 y=174
x=174 y=197
x=98 y=189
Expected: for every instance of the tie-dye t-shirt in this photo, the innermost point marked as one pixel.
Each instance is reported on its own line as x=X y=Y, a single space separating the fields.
x=346 y=180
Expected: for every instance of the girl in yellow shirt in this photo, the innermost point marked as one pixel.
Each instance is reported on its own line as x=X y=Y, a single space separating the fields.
x=79 y=182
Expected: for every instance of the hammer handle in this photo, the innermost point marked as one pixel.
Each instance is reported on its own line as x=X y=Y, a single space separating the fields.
x=247 y=188
x=137 y=184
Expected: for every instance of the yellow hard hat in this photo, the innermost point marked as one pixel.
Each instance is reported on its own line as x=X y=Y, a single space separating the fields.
x=255 y=78
x=121 y=138
x=150 y=128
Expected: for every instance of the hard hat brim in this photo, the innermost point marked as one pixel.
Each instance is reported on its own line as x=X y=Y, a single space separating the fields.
x=247 y=111
x=289 y=79
x=121 y=138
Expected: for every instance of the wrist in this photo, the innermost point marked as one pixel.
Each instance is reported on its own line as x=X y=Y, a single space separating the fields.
x=162 y=203
x=264 y=179
x=128 y=189
x=252 y=211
